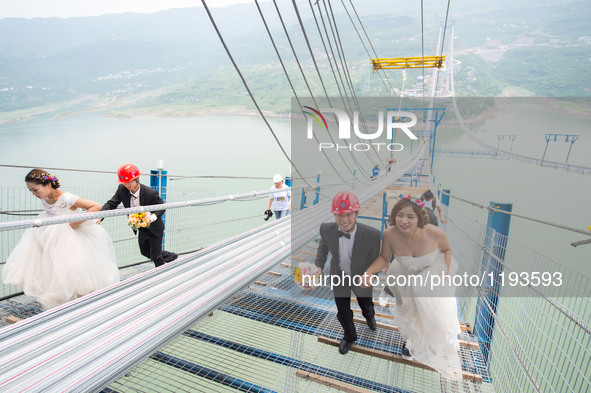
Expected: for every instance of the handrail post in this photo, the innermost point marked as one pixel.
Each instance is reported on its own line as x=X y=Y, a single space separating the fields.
x=159 y=182
x=495 y=245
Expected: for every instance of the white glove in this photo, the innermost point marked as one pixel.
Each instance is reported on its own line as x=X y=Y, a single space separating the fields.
x=153 y=217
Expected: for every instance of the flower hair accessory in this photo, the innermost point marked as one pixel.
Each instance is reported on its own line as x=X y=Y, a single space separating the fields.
x=417 y=202
x=43 y=176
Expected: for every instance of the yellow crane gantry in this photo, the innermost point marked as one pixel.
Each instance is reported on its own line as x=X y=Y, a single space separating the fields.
x=407 y=62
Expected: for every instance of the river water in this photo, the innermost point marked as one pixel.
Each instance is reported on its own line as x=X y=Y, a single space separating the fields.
x=243 y=146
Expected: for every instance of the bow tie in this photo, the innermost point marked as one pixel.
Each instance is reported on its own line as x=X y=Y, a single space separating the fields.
x=347 y=235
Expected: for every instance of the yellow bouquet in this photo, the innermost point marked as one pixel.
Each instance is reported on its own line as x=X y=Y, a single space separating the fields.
x=306 y=275
x=139 y=220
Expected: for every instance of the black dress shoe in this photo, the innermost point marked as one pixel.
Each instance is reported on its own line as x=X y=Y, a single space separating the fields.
x=406 y=353
x=372 y=325
x=171 y=257
x=344 y=346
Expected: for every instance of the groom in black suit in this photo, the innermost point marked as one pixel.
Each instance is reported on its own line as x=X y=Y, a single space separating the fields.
x=132 y=194
x=353 y=247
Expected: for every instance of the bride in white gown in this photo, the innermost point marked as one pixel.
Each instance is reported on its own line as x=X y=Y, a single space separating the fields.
x=426 y=317
x=59 y=263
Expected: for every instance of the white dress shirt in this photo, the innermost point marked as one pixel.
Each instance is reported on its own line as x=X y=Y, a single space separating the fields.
x=345 y=251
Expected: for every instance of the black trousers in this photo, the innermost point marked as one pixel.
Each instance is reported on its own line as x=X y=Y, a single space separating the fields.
x=345 y=314
x=151 y=247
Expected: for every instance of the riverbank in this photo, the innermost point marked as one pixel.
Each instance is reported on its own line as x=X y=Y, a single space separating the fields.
x=130 y=107
x=125 y=110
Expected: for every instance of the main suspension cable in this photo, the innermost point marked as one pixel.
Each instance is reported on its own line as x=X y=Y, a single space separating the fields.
x=249 y=91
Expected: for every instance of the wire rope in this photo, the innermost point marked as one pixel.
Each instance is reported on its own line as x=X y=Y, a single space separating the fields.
x=490 y=208
x=308 y=86
x=248 y=89
x=363 y=42
x=338 y=71
x=423 y=46
x=357 y=163
x=372 y=47
x=339 y=44
x=436 y=79
x=291 y=83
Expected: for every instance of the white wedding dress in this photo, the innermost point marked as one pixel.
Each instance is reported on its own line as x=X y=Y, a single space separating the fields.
x=57 y=263
x=427 y=319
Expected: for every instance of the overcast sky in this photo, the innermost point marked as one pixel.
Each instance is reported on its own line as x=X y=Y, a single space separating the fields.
x=73 y=8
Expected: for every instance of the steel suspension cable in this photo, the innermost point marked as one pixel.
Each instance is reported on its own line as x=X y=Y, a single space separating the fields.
x=441 y=51
x=376 y=56
x=291 y=84
x=330 y=62
x=308 y=86
x=423 y=46
x=248 y=89
x=444 y=28
x=372 y=47
x=339 y=44
x=327 y=54
x=490 y=208
x=343 y=67
x=336 y=66
x=363 y=42
x=317 y=69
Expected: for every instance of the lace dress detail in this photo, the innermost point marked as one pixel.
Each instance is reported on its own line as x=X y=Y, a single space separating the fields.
x=427 y=319
x=57 y=263
x=64 y=202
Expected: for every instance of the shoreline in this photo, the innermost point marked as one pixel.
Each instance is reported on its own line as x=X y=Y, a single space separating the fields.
x=123 y=111
x=168 y=113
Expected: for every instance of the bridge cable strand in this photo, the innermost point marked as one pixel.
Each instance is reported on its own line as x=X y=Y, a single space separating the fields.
x=342 y=76
x=155 y=306
x=436 y=71
x=4 y=226
x=320 y=75
x=583 y=170
x=444 y=29
x=248 y=89
x=423 y=47
x=490 y=208
x=334 y=67
x=169 y=176
x=312 y=94
x=372 y=47
x=291 y=84
x=344 y=80
x=305 y=35
x=348 y=74
x=362 y=42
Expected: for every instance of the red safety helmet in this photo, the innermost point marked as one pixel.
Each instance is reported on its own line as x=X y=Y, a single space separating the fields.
x=345 y=202
x=127 y=172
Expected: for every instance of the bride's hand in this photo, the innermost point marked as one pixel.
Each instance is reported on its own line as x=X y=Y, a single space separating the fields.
x=366 y=280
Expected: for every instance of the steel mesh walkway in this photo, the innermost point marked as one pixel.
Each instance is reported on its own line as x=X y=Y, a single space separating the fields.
x=266 y=337
x=273 y=336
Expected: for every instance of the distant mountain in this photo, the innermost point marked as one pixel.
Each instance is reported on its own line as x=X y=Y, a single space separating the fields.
x=543 y=47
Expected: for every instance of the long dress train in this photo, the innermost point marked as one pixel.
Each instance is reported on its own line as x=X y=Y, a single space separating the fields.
x=57 y=263
x=427 y=318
